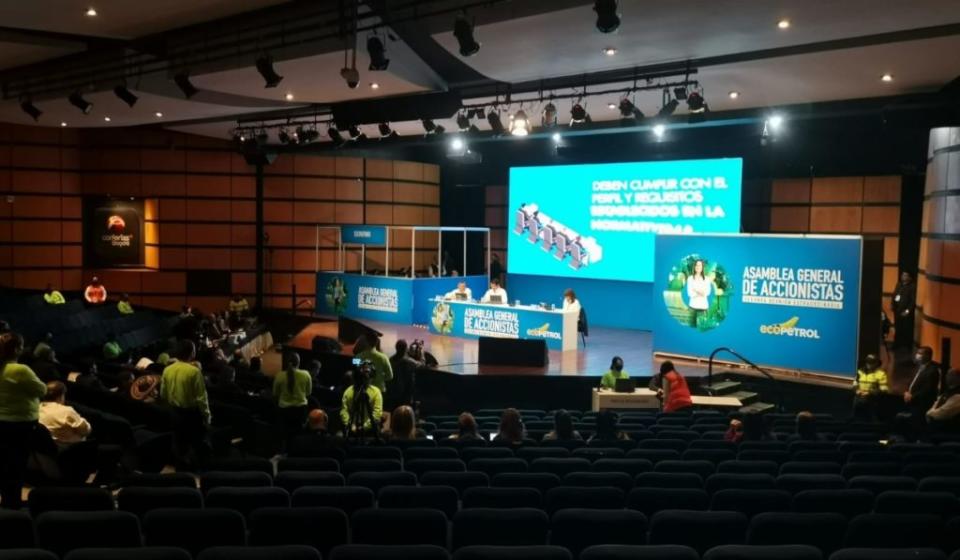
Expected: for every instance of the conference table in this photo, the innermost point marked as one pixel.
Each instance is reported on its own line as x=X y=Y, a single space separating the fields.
x=468 y=319
x=646 y=399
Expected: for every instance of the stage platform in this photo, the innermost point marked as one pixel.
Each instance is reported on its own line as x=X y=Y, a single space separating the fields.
x=459 y=355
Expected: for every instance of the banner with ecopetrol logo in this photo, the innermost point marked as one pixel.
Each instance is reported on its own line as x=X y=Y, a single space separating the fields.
x=113 y=233
x=357 y=296
x=785 y=301
x=471 y=320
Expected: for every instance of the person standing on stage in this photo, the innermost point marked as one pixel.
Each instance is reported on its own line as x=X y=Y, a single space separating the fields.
x=698 y=289
x=496 y=268
x=673 y=391
x=494 y=291
x=462 y=292
x=570 y=301
x=609 y=379
x=903 y=304
x=922 y=391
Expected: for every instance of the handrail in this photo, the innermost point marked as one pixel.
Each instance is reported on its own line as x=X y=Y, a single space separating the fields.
x=767 y=374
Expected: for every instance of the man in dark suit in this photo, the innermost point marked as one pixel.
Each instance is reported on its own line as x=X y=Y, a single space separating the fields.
x=924 y=387
x=903 y=304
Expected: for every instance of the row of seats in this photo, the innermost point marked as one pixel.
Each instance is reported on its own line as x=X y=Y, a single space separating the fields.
x=573 y=529
x=430 y=552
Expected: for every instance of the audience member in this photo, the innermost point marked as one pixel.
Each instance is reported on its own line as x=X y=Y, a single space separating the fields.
x=238 y=306
x=945 y=412
x=291 y=387
x=20 y=393
x=45 y=364
x=111 y=349
x=403 y=425
x=45 y=344
x=124 y=306
x=607 y=428
x=382 y=372
x=362 y=405
x=316 y=439
x=89 y=378
x=922 y=391
x=183 y=389
x=609 y=379
x=511 y=429
x=562 y=428
x=65 y=424
x=755 y=428
x=673 y=389
x=870 y=385
x=734 y=431
x=806 y=428
x=404 y=368
x=252 y=378
x=95 y=293
x=467 y=429
x=53 y=297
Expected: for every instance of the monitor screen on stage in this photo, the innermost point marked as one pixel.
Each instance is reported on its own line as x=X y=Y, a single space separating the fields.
x=598 y=221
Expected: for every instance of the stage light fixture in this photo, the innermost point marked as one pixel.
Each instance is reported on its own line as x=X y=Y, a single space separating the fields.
x=658 y=131
x=428 y=125
x=579 y=115
x=440 y=129
x=31 y=109
x=669 y=104
x=457 y=144
x=496 y=125
x=265 y=68
x=481 y=113
x=549 y=116
x=463 y=31
x=335 y=135
x=386 y=131
x=608 y=19
x=79 y=102
x=611 y=105
x=775 y=122
x=696 y=103
x=284 y=136
x=680 y=93
x=463 y=122
x=182 y=80
x=556 y=137
x=356 y=134
x=519 y=124
x=629 y=113
x=125 y=95
x=262 y=137
x=377 y=53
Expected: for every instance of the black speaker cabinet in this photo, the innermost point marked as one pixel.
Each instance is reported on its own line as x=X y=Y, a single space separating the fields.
x=518 y=352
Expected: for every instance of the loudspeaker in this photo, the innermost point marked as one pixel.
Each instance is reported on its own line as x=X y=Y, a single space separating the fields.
x=520 y=352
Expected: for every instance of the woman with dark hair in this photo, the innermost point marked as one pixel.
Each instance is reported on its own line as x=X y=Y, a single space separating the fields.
x=698 y=289
x=607 y=428
x=20 y=393
x=563 y=428
x=511 y=428
x=362 y=404
x=467 y=429
x=291 y=387
x=674 y=391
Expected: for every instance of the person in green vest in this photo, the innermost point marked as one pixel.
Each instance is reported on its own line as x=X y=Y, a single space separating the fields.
x=291 y=387
x=183 y=389
x=362 y=404
x=124 y=306
x=53 y=297
x=609 y=379
x=369 y=346
x=20 y=393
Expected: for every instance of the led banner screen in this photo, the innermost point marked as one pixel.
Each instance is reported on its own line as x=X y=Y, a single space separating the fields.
x=599 y=221
x=785 y=301
x=113 y=233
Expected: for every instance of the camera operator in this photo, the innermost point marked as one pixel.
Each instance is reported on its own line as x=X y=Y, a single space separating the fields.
x=362 y=406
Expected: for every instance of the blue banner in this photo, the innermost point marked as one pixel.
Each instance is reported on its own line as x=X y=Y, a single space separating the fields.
x=364 y=235
x=425 y=289
x=376 y=298
x=471 y=320
x=784 y=301
x=598 y=221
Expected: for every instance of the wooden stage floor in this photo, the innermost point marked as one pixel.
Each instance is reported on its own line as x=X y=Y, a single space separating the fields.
x=459 y=355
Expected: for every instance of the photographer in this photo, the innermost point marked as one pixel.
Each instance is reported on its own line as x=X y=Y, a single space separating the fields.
x=362 y=405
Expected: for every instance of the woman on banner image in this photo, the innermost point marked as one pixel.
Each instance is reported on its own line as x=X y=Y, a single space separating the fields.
x=698 y=290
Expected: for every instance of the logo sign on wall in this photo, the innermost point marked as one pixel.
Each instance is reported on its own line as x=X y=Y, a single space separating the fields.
x=783 y=301
x=113 y=233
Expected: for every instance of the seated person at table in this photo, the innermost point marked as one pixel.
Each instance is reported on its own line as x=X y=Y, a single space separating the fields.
x=495 y=292
x=570 y=301
x=673 y=388
x=462 y=292
x=609 y=379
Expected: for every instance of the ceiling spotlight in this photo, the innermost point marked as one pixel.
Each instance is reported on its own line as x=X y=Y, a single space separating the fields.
x=463 y=31
x=774 y=122
x=783 y=23
x=374 y=85
x=63 y=123
x=31 y=109
x=270 y=76
x=734 y=95
x=556 y=138
x=549 y=116
x=611 y=105
x=886 y=78
x=495 y=124
x=125 y=95
x=377 y=53
x=91 y=12
x=659 y=130
x=579 y=115
x=457 y=144
x=356 y=134
x=106 y=119
x=158 y=114
x=428 y=125
x=610 y=51
x=288 y=96
x=608 y=20
x=519 y=124
x=629 y=113
x=79 y=102
x=696 y=103
x=386 y=131
x=182 y=80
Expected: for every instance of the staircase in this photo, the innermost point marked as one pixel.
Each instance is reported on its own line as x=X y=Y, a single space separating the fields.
x=725 y=387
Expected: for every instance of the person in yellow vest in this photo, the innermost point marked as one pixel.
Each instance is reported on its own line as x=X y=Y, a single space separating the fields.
x=183 y=389
x=870 y=386
x=53 y=297
x=124 y=306
x=238 y=305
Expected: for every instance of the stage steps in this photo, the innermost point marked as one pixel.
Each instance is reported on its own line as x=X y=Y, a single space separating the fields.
x=749 y=399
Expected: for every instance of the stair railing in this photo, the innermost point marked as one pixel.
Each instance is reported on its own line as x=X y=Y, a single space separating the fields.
x=767 y=374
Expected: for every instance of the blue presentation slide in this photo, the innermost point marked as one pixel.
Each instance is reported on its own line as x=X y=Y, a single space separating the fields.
x=787 y=301
x=599 y=221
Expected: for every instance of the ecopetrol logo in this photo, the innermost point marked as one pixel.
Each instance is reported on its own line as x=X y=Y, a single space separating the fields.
x=115 y=235
x=543 y=331
x=790 y=328
x=115 y=224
